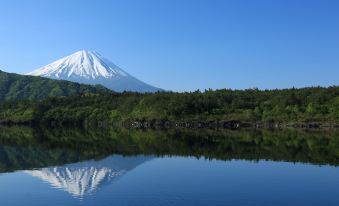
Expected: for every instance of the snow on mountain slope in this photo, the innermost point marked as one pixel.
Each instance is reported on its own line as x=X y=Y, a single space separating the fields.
x=89 y=67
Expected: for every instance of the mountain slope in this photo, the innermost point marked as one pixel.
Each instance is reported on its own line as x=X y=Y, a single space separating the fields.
x=15 y=86
x=90 y=67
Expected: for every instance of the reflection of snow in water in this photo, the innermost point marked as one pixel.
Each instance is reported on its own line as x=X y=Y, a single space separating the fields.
x=77 y=182
x=83 y=178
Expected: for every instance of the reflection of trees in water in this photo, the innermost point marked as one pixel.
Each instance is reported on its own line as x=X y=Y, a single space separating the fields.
x=24 y=148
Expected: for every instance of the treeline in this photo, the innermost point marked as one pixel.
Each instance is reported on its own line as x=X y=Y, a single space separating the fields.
x=314 y=104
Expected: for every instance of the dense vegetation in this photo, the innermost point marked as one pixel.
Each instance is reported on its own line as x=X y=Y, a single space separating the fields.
x=315 y=104
x=26 y=148
x=17 y=87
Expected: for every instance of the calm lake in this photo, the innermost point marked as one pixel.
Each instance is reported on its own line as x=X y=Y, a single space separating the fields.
x=175 y=167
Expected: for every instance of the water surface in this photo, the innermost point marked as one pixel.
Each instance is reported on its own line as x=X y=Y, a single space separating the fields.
x=168 y=167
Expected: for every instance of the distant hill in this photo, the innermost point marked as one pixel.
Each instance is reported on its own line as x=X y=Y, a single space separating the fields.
x=15 y=87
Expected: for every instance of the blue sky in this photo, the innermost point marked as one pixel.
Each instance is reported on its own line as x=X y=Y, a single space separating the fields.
x=181 y=44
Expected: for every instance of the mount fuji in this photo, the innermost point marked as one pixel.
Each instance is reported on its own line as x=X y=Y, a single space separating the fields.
x=89 y=67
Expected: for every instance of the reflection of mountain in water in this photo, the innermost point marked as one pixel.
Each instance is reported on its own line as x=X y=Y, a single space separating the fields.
x=80 y=179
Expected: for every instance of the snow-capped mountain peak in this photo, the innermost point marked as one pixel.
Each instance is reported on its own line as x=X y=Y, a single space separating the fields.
x=90 y=67
x=86 y=64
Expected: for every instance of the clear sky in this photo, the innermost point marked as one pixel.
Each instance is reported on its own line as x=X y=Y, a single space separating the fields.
x=181 y=44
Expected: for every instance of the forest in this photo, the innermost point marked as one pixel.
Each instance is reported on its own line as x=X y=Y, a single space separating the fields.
x=313 y=104
x=22 y=87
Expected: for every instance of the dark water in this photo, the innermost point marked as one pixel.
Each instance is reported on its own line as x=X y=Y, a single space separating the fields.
x=205 y=167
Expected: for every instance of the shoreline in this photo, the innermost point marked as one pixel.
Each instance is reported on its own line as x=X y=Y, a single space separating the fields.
x=222 y=124
x=185 y=124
